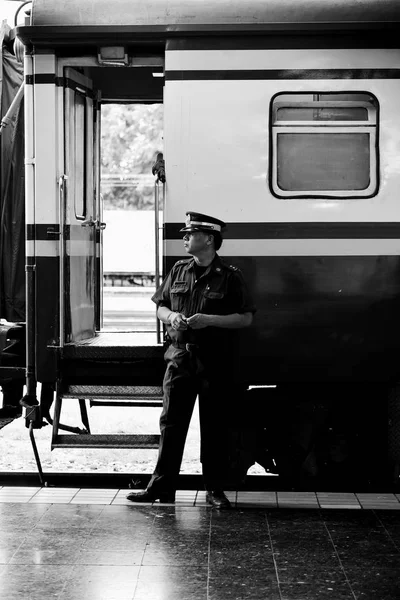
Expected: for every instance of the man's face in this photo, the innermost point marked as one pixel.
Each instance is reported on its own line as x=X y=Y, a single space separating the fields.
x=195 y=242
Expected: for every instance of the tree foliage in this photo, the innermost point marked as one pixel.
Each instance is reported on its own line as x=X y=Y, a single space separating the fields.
x=130 y=139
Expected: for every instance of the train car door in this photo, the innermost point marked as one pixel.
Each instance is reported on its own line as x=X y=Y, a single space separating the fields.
x=80 y=222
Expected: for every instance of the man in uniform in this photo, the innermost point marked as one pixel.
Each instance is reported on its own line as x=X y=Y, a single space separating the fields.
x=202 y=301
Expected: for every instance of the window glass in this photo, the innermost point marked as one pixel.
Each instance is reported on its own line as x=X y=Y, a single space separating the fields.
x=333 y=113
x=80 y=167
x=324 y=145
x=348 y=97
x=318 y=161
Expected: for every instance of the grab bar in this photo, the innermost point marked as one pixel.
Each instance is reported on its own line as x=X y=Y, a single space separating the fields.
x=157 y=248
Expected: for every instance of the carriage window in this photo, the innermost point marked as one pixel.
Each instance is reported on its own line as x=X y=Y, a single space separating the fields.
x=324 y=145
x=80 y=157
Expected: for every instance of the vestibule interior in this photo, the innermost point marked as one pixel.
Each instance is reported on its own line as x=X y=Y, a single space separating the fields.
x=131 y=139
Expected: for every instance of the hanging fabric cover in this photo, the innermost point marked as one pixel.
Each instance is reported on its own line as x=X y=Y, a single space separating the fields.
x=12 y=190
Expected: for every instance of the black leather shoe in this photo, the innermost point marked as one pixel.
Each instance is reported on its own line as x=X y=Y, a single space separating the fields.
x=217 y=499
x=149 y=496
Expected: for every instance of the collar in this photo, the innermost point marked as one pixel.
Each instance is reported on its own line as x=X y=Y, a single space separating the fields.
x=216 y=265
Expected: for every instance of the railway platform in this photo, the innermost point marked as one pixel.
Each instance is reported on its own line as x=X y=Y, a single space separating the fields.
x=71 y=543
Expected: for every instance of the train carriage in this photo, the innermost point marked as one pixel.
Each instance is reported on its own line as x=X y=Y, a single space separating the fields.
x=281 y=118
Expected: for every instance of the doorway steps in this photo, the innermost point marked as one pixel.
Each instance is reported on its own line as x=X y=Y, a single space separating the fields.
x=138 y=396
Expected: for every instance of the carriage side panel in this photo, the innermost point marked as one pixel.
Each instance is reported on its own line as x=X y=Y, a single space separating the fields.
x=42 y=217
x=324 y=271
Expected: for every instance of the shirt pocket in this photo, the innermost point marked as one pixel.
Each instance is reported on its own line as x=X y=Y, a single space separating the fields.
x=210 y=295
x=179 y=295
x=214 y=301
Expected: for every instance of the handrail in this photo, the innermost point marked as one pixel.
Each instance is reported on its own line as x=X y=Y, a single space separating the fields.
x=157 y=248
x=61 y=201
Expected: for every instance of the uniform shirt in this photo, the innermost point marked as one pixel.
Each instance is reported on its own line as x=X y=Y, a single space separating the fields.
x=220 y=290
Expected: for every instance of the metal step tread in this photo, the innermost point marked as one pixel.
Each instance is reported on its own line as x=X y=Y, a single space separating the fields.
x=113 y=391
x=119 y=401
x=107 y=440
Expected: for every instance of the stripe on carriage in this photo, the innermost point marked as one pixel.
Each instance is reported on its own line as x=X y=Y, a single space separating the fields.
x=43 y=248
x=348 y=40
x=45 y=78
x=49 y=248
x=107 y=34
x=43 y=231
x=50 y=231
x=73 y=85
x=306 y=230
x=278 y=74
x=58 y=81
x=80 y=248
x=46 y=231
x=298 y=247
x=287 y=58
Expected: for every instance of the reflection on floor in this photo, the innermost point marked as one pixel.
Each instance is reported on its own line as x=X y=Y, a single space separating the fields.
x=90 y=544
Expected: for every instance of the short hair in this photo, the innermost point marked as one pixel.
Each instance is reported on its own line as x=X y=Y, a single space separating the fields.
x=217 y=239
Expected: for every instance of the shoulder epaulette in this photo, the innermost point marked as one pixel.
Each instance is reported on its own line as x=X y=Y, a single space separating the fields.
x=232 y=268
x=183 y=261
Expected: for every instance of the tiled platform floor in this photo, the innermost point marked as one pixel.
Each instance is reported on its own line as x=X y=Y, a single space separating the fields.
x=52 y=495
x=81 y=544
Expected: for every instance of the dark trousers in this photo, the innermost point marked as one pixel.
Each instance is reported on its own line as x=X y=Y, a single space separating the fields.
x=187 y=376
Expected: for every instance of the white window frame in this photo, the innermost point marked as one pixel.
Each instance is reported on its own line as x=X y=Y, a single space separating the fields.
x=369 y=126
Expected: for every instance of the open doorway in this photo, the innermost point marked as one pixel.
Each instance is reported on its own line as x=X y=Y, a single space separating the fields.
x=131 y=139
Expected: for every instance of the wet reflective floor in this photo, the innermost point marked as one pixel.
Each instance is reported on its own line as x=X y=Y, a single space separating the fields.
x=100 y=551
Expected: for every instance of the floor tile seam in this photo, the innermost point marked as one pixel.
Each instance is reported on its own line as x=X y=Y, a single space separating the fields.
x=340 y=562
x=16 y=551
x=365 y=502
x=373 y=505
x=290 y=495
x=148 y=538
x=209 y=556
x=115 y=496
x=100 y=491
x=388 y=495
x=49 y=490
x=323 y=499
x=96 y=519
x=336 y=494
x=30 y=531
x=66 y=582
x=20 y=499
x=137 y=582
x=396 y=545
x=273 y=553
x=328 y=502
